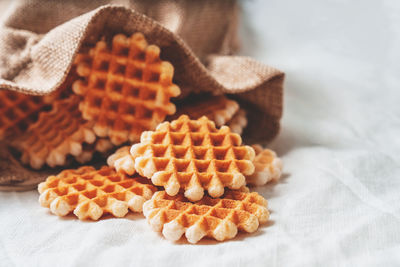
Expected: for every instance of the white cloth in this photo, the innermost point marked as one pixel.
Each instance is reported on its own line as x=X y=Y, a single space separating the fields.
x=338 y=201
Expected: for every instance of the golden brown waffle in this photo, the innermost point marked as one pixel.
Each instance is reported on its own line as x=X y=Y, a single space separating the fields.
x=126 y=89
x=90 y=193
x=57 y=133
x=218 y=218
x=268 y=167
x=195 y=156
x=17 y=112
x=238 y=122
x=217 y=108
x=122 y=160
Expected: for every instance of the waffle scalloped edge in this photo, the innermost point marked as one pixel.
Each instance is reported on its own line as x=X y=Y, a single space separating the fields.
x=89 y=193
x=268 y=167
x=57 y=133
x=101 y=146
x=238 y=121
x=122 y=160
x=216 y=218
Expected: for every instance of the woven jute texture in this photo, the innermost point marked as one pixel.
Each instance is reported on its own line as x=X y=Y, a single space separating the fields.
x=39 y=39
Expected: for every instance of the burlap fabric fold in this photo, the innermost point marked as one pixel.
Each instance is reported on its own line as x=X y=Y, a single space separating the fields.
x=39 y=39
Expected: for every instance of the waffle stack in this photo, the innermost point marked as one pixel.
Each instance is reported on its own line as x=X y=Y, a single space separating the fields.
x=121 y=89
x=186 y=175
x=202 y=169
x=126 y=88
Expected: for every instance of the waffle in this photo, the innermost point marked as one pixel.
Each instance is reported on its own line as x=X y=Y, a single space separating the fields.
x=217 y=108
x=122 y=160
x=17 y=112
x=90 y=193
x=57 y=133
x=195 y=156
x=126 y=88
x=218 y=218
x=267 y=165
x=238 y=122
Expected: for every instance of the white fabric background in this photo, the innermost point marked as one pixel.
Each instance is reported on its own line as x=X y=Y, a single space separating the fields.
x=338 y=201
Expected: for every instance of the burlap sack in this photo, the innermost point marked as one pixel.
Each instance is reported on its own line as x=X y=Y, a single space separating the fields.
x=38 y=40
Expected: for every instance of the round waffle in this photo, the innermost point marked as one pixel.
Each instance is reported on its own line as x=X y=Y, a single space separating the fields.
x=195 y=156
x=218 y=218
x=90 y=193
x=126 y=87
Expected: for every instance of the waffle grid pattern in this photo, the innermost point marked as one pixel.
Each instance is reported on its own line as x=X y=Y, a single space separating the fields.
x=90 y=193
x=216 y=218
x=195 y=156
x=17 y=112
x=127 y=89
x=57 y=133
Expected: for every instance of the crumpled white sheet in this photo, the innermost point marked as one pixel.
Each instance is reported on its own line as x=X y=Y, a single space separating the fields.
x=338 y=201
